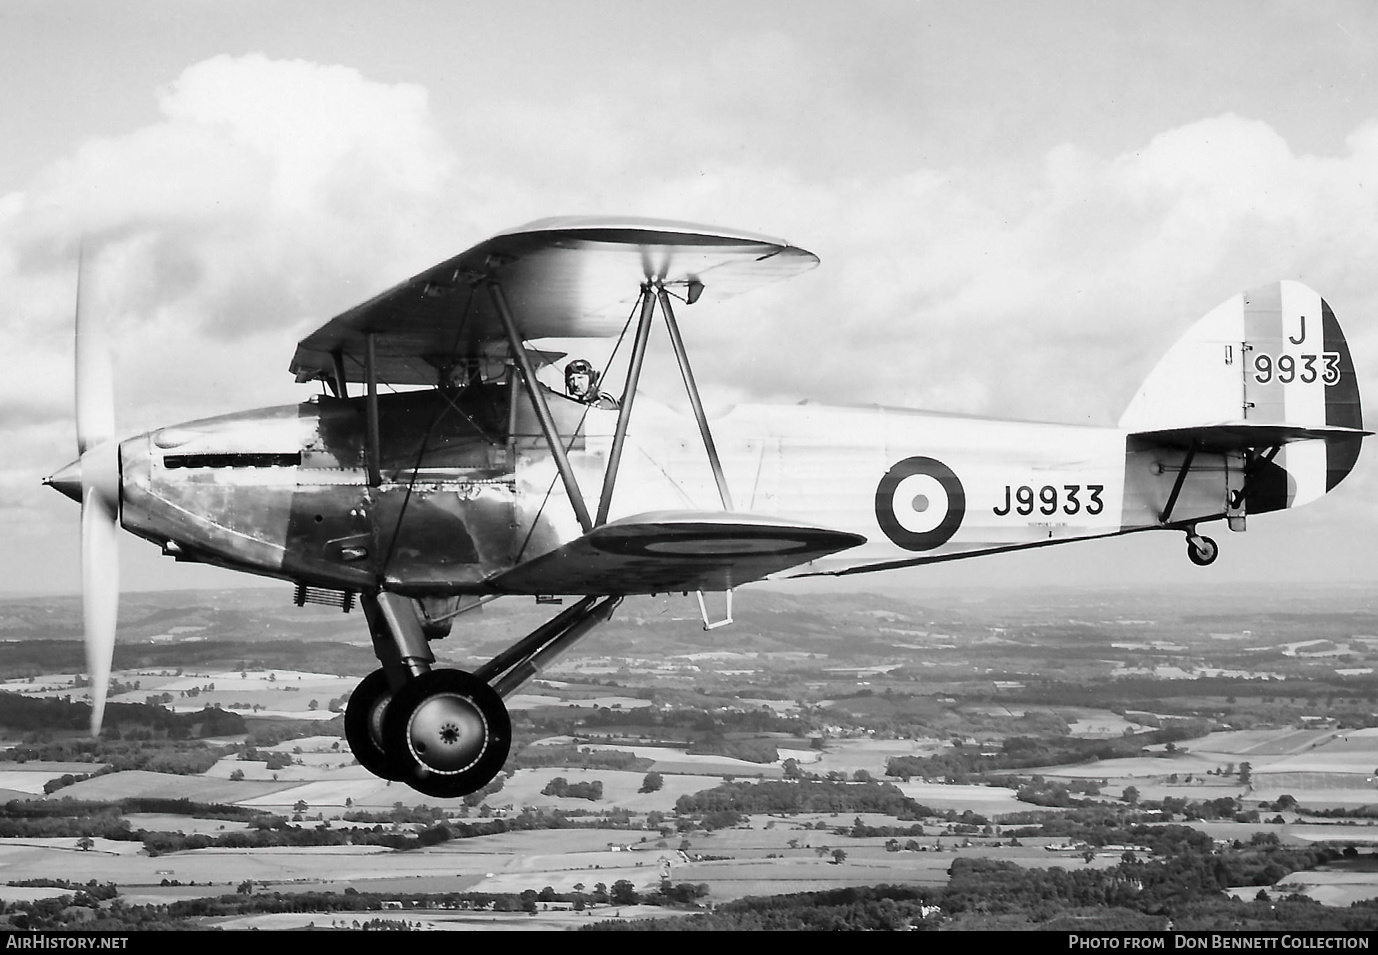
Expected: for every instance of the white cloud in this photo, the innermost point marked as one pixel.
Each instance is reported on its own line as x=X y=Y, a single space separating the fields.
x=269 y=195
x=1056 y=286
x=287 y=177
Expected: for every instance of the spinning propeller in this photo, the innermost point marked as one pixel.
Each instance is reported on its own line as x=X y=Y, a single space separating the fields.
x=93 y=479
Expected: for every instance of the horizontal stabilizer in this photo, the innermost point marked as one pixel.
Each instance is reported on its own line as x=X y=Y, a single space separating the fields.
x=1244 y=435
x=668 y=551
x=1291 y=464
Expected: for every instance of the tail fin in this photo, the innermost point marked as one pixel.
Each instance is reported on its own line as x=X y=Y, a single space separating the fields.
x=1268 y=369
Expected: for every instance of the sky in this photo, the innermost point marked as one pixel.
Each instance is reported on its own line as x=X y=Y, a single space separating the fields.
x=1018 y=207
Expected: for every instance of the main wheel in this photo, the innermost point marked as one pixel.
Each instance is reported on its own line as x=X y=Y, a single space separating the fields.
x=364 y=725
x=1202 y=551
x=451 y=732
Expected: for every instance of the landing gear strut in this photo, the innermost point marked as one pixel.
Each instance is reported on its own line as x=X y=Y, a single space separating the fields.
x=1202 y=551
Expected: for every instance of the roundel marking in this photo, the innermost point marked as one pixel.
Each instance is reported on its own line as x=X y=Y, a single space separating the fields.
x=920 y=503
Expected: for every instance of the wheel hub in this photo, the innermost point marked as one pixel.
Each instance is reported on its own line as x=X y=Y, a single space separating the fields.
x=447 y=733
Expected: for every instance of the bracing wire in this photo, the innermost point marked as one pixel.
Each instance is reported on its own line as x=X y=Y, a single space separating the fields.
x=436 y=415
x=550 y=489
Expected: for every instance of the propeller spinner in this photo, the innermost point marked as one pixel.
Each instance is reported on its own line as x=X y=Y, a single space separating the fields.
x=93 y=479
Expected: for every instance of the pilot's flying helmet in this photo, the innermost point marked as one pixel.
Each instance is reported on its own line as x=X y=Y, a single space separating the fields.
x=581 y=380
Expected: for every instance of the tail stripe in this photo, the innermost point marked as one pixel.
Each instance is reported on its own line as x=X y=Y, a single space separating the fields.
x=1264 y=397
x=1341 y=399
x=1342 y=407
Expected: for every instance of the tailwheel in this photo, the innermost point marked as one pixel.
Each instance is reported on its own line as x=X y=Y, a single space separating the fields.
x=364 y=725
x=1202 y=551
x=449 y=731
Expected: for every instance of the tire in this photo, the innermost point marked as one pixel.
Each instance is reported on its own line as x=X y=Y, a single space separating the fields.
x=364 y=725
x=1202 y=551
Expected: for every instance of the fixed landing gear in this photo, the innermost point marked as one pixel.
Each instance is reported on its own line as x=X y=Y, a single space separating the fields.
x=1202 y=551
x=447 y=733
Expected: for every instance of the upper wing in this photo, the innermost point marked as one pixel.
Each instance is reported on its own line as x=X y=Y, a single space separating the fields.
x=671 y=551
x=570 y=277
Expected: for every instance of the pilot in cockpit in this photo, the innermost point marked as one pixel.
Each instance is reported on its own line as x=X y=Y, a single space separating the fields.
x=581 y=384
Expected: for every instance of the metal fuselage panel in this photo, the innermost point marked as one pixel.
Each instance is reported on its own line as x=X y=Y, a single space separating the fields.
x=284 y=492
x=469 y=488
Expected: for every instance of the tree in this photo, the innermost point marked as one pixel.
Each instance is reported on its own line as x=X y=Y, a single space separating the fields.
x=653 y=782
x=839 y=856
x=1246 y=775
x=237 y=775
x=624 y=893
x=1130 y=795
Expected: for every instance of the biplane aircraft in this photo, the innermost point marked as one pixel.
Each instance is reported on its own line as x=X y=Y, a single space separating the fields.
x=477 y=480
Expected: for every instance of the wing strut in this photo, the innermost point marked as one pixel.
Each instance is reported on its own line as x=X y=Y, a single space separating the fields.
x=524 y=659
x=373 y=441
x=337 y=382
x=693 y=390
x=1182 y=472
x=538 y=404
x=624 y=415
